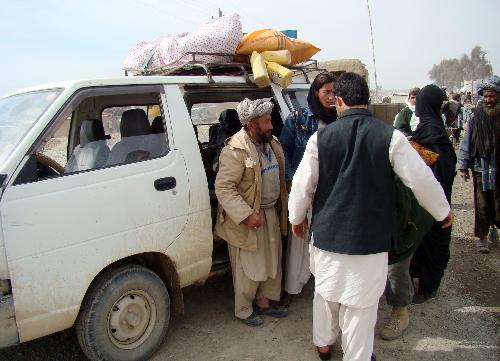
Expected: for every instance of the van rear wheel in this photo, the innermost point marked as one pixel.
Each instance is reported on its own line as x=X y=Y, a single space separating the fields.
x=124 y=315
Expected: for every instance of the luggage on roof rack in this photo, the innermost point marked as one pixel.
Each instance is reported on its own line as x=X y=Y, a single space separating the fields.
x=239 y=67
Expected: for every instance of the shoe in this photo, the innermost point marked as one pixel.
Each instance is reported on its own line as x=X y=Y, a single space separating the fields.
x=273 y=310
x=373 y=357
x=482 y=246
x=493 y=237
x=252 y=320
x=287 y=299
x=397 y=324
x=324 y=355
x=420 y=298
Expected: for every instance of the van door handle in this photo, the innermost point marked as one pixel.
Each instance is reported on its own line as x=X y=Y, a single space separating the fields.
x=163 y=184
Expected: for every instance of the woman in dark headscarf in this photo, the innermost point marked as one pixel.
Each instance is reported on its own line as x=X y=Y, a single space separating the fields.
x=304 y=122
x=432 y=256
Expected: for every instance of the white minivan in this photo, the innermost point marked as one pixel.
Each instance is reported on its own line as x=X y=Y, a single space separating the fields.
x=106 y=204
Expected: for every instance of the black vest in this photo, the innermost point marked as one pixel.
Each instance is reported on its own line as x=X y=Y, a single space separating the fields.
x=354 y=203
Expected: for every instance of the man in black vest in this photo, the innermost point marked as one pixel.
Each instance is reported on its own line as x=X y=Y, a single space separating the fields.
x=347 y=176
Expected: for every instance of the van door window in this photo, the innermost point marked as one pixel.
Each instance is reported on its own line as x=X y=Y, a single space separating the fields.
x=136 y=133
x=103 y=128
x=52 y=154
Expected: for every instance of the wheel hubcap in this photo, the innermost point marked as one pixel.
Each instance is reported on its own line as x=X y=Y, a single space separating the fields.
x=131 y=319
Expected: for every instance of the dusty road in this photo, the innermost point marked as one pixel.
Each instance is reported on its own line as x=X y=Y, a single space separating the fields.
x=462 y=323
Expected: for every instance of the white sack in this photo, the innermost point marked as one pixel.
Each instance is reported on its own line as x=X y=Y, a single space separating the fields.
x=221 y=35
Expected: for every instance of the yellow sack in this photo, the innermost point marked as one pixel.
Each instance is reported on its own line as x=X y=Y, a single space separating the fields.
x=259 y=70
x=279 y=74
x=282 y=57
x=267 y=39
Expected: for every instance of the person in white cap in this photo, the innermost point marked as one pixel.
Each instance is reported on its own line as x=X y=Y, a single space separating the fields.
x=252 y=213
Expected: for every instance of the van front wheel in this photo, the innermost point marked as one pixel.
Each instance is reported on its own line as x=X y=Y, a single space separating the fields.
x=124 y=315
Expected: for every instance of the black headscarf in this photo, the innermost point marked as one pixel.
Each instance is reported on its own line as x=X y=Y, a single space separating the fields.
x=328 y=116
x=431 y=134
x=430 y=129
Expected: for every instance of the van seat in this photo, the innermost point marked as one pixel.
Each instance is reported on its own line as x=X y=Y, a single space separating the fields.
x=137 y=141
x=92 y=152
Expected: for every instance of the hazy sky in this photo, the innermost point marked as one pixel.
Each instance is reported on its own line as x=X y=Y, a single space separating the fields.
x=51 y=40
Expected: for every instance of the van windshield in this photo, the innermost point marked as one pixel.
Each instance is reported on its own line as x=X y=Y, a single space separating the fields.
x=18 y=113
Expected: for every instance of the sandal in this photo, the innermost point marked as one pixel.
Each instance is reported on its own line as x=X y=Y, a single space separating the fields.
x=324 y=355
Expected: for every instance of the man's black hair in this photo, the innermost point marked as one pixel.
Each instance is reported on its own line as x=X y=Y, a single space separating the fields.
x=352 y=88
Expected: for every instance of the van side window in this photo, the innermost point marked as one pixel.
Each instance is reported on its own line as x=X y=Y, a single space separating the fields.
x=98 y=129
x=51 y=156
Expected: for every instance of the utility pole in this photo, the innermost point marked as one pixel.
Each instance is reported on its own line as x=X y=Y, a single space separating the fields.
x=373 y=51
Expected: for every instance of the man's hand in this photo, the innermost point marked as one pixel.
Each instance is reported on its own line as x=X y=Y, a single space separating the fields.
x=464 y=173
x=254 y=221
x=300 y=229
x=448 y=220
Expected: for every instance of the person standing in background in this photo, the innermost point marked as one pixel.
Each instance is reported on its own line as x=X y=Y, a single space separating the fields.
x=480 y=152
x=406 y=121
x=452 y=111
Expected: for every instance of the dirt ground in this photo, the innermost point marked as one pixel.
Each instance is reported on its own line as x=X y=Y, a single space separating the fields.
x=462 y=323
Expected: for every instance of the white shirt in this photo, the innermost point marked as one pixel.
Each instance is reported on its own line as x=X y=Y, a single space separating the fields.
x=359 y=280
x=414 y=120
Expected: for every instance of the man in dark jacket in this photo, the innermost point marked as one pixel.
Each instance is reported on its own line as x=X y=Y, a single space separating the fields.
x=480 y=152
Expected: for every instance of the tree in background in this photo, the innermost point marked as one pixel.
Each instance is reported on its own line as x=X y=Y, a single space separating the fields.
x=477 y=67
x=451 y=72
x=448 y=73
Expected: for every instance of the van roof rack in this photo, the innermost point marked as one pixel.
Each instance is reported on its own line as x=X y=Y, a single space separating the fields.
x=239 y=66
x=307 y=67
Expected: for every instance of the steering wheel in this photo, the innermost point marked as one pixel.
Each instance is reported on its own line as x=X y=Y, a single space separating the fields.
x=47 y=166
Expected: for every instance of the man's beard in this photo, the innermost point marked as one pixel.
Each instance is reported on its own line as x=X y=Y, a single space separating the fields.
x=493 y=111
x=265 y=137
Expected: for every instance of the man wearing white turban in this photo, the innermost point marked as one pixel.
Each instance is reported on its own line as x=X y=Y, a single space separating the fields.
x=480 y=152
x=251 y=190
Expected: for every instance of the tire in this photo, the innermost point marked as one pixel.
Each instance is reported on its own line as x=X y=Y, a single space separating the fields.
x=124 y=315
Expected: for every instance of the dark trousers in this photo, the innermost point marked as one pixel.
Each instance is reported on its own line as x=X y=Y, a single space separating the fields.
x=399 y=289
x=486 y=207
x=431 y=258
